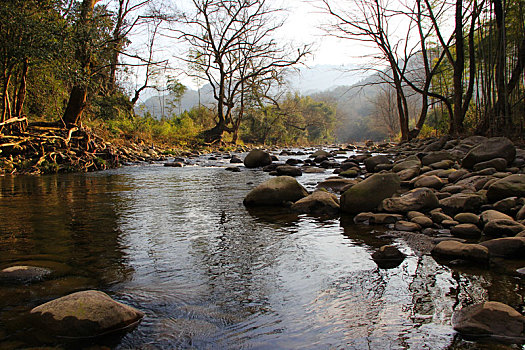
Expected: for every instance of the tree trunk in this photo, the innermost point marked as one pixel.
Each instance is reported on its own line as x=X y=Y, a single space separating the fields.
x=21 y=95
x=6 y=108
x=78 y=96
x=456 y=125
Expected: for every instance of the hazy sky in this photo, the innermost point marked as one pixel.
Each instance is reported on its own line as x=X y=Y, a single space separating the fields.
x=303 y=24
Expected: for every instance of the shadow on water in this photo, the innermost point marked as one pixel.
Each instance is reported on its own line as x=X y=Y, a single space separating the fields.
x=179 y=245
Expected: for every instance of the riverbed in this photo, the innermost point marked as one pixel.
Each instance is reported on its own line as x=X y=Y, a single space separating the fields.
x=178 y=244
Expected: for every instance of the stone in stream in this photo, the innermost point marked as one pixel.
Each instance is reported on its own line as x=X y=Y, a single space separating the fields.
x=521 y=214
x=23 y=274
x=174 y=164
x=435 y=157
x=320 y=202
x=288 y=170
x=507 y=205
x=86 y=314
x=407 y=226
x=369 y=193
x=490 y=319
x=337 y=185
x=429 y=181
x=467 y=218
x=507 y=247
x=388 y=257
x=372 y=162
x=452 y=250
x=461 y=202
x=466 y=230
x=411 y=162
x=257 y=158
x=496 y=147
x=235 y=159
x=510 y=186
x=503 y=227
x=278 y=191
x=500 y=164
x=490 y=215
x=422 y=221
x=419 y=199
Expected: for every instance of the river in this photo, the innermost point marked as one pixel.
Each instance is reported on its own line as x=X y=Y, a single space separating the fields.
x=178 y=244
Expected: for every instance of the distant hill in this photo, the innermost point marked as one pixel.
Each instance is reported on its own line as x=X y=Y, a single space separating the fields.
x=353 y=92
x=305 y=81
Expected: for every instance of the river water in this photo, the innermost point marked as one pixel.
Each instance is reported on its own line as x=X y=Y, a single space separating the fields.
x=178 y=244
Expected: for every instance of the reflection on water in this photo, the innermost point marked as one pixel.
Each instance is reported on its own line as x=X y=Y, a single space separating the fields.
x=178 y=244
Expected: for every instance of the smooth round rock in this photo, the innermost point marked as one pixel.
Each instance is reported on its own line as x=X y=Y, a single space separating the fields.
x=457 y=250
x=85 y=314
x=257 y=158
x=422 y=221
x=466 y=230
x=277 y=191
x=406 y=226
x=467 y=218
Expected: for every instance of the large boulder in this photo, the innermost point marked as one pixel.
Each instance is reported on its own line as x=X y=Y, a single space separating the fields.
x=85 y=314
x=277 y=191
x=419 y=199
x=509 y=186
x=490 y=319
x=318 y=203
x=257 y=158
x=456 y=250
x=496 y=147
x=369 y=193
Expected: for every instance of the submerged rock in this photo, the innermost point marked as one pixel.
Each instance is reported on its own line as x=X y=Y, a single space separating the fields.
x=85 y=314
x=278 y=191
x=23 y=274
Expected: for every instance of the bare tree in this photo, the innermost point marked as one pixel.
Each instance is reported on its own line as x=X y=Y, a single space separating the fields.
x=370 y=22
x=232 y=44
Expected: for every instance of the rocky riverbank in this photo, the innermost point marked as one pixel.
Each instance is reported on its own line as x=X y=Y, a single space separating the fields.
x=47 y=149
x=466 y=197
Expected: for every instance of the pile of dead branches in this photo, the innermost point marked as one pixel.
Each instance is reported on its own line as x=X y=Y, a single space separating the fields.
x=37 y=148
